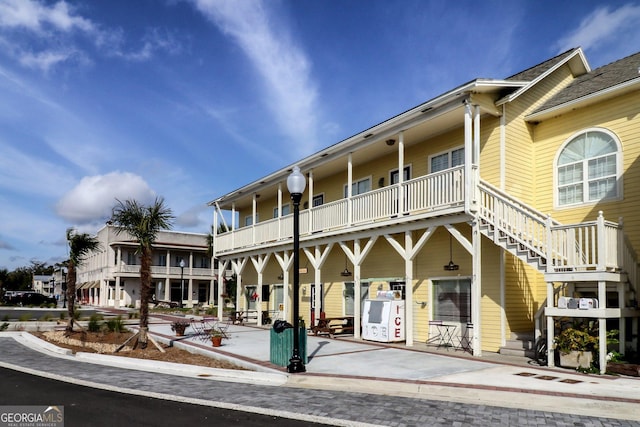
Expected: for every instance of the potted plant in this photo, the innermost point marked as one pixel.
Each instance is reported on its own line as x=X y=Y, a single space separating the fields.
x=216 y=337
x=576 y=346
x=179 y=326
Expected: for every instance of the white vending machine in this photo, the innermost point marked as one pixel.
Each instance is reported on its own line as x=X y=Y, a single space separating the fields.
x=383 y=320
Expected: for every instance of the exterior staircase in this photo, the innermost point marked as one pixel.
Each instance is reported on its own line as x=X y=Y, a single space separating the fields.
x=521 y=344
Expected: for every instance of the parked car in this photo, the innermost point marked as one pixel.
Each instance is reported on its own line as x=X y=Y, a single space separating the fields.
x=30 y=298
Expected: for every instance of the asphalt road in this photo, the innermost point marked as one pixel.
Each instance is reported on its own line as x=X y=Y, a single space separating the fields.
x=86 y=406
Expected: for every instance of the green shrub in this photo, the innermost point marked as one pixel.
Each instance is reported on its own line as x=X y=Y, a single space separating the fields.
x=4 y=326
x=94 y=324
x=116 y=325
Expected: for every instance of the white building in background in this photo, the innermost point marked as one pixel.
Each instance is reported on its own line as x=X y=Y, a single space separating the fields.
x=43 y=284
x=181 y=270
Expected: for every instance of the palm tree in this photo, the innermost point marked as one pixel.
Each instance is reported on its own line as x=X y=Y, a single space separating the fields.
x=143 y=224
x=80 y=245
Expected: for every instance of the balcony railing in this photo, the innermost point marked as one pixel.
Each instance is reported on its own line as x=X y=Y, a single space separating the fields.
x=588 y=246
x=161 y=271
x=433 y=193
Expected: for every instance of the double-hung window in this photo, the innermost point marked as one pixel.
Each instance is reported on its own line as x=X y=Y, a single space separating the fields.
x=587 y=168
x=286 y=210
x=446 y=160
x=358 y=187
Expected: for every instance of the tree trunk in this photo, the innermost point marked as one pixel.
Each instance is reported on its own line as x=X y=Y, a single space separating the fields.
x=71 y=295
x=145 y=289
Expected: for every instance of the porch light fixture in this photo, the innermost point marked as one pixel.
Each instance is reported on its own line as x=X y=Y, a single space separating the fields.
x=451 y=266
x=280 y=276
x=346 y=272
x=390 y=142
x=296 y=183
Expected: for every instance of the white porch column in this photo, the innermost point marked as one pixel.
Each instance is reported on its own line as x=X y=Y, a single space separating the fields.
x=310 y=201
x=222 y=267
x=280 y=210
x=238 y=266
x=468 y=157
x=260 y=263
x=408 y=254
x=254 y=217
x=476 y=161
x=349 y=189
x=357 y=291
x=476 y=289
x=408 y=284
x=357 y=257
x=550 y=327
x=116 y=297
x=285 y=261
x=190 y=285
x=602 y=326
x=318 y=259
x=402 y=205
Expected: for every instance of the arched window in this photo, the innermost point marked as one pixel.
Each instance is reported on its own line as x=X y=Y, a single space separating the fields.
x=587 y=168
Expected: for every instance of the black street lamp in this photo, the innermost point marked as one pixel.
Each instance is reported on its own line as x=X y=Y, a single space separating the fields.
x=296 y=183
x=181 y=282
x=64 y=287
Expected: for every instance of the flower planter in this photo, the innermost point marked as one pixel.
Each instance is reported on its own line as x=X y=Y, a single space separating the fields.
x=216 y=341
x=576 y=359
x=179 y=328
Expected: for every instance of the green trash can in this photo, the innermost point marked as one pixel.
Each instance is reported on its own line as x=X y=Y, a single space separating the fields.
x=281 y=345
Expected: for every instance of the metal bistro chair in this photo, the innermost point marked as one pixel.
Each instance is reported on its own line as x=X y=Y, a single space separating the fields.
x=465 y=338
x=435 y=333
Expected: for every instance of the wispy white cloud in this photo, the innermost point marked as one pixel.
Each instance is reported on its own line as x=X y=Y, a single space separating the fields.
x=94 y=196
x=155 y=40
x=49 y=36
x=604 y=25
x=281 y=63
x=37 y=16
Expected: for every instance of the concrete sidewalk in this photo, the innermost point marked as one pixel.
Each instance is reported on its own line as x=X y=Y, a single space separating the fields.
x=357 y=366
x=348 y=365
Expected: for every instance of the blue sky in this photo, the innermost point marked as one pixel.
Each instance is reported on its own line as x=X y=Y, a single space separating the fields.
x=191 y=99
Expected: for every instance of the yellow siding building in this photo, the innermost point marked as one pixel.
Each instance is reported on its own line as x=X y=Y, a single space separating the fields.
x=524 y=186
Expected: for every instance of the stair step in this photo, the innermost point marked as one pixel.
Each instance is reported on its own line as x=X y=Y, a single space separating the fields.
x=519 y=345
x=516 y=352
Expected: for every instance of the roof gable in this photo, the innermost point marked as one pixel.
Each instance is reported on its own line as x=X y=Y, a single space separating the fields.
x=608 y=76
x=531 y=74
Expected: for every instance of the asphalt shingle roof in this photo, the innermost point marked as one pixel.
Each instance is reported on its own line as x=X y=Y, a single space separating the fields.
x=597 y=80
x=534 y=72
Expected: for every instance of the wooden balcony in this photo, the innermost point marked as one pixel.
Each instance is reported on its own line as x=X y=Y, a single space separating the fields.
x=160 y=271
x=429 y=195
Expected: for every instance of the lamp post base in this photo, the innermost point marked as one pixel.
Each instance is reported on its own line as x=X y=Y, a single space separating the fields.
x=296 y=365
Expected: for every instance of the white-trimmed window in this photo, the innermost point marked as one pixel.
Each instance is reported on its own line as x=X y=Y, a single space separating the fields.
x=394 y=175
x=286 y=210
x=588 y=168
x=318 y=200
x=446 y=160
x=248 y=220
x=359 y=187
x=451 y=300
